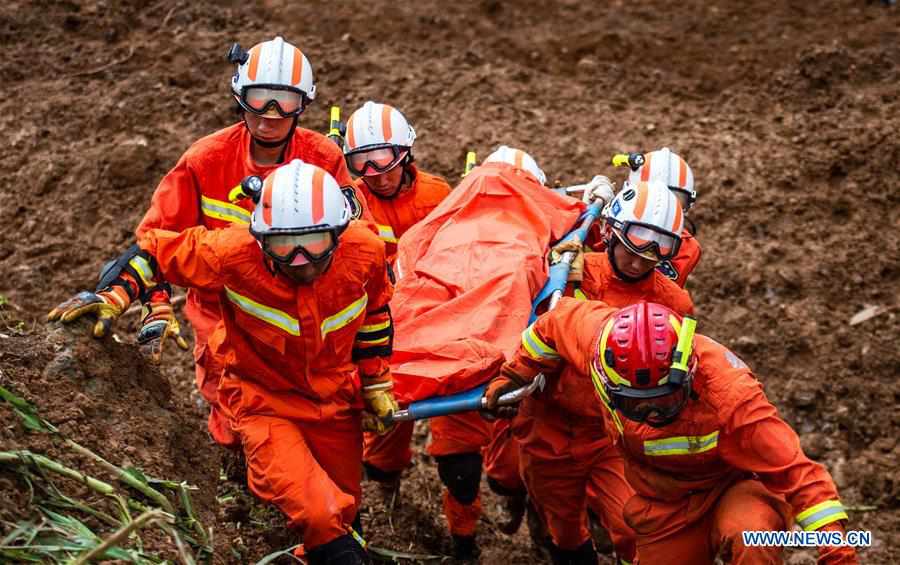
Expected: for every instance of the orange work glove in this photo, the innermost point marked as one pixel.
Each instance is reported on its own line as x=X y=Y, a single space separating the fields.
x=506 y=381
x=378 y=395
x=158 y=323
x=106 y=305
x=574 y=245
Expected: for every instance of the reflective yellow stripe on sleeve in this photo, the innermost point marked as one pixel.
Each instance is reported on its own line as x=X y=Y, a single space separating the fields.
x=821 y=514
x=372 y=328
x=535 y=347
x=143 y=269
x=386 y=233
x=267 y=314
x=681 y=445
x=381 y=341
x=345 y=316
x=225 y=211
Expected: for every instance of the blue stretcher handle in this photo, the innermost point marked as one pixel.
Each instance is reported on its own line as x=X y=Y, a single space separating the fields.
x=442 y=405
x=559 y=272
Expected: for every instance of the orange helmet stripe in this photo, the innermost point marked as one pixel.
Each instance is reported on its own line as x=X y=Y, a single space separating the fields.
x=386 y=122
x=318 y=195
x=677 y=219
x=297 y=73
x=641 y=204
x=254 y=61
x=518 y=158
x=267 y=199
x=645 y=171
x=351 y=138
x=682 y=173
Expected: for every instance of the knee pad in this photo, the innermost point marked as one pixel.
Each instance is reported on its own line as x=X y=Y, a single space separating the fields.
x=461 y=473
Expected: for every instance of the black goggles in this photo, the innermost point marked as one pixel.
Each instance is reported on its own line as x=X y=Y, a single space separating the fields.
x=647 y=240
x=270 y=100
x=295 y=248
x=370 y=161
x=655 y=407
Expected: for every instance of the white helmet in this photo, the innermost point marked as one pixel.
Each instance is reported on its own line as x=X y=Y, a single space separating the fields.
x=518 y=159
x=647 y=218
x=670 y=169
x=378 y=139
x=300 y=213
x=273 y=79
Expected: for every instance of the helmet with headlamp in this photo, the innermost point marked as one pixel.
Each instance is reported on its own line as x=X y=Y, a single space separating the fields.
x=644 y=365
x=300 y=213
x=647 y=219
x=273 y=79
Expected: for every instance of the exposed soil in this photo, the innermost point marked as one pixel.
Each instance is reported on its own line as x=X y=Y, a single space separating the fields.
x=786 y=111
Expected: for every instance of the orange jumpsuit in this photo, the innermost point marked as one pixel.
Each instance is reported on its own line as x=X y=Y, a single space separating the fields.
x=728 y=464
x=292 y=357
x=557 y=443
x=683 y=264
x=195 y=193
x=393 y=216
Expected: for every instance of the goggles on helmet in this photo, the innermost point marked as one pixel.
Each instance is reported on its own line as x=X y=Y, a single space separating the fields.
x=299 y=247
x=287 y=101
x=646 y=240
x=655 y=407
x=369 y=161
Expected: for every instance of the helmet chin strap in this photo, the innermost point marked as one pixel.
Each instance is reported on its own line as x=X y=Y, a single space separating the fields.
x=283 y=143
x=406 y=176
x=281 y=269
x=610 y=248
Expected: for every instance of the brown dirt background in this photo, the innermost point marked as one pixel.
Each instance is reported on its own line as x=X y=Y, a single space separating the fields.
x=787 y=111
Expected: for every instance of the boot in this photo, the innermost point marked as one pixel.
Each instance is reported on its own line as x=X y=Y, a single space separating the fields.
x=388 y=484
x=582 y=555
x=465 y=548
x=344 y=550
x=514 y=502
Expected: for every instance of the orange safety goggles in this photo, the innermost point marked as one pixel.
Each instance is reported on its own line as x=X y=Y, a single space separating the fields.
x=375 y=161
x=298 y=248
x=647 y=240
x=260 y=99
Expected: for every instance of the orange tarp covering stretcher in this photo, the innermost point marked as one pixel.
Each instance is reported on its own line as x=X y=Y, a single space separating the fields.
x=467 y=275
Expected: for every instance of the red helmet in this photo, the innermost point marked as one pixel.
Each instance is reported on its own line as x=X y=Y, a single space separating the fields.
x=633 y=370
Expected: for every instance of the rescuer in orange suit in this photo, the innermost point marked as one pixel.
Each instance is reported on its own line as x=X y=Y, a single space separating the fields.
x=378 y=149
x=305 y=338
x=563 y=454
x=704 y=449
x=673 y=171
x=273 y=85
